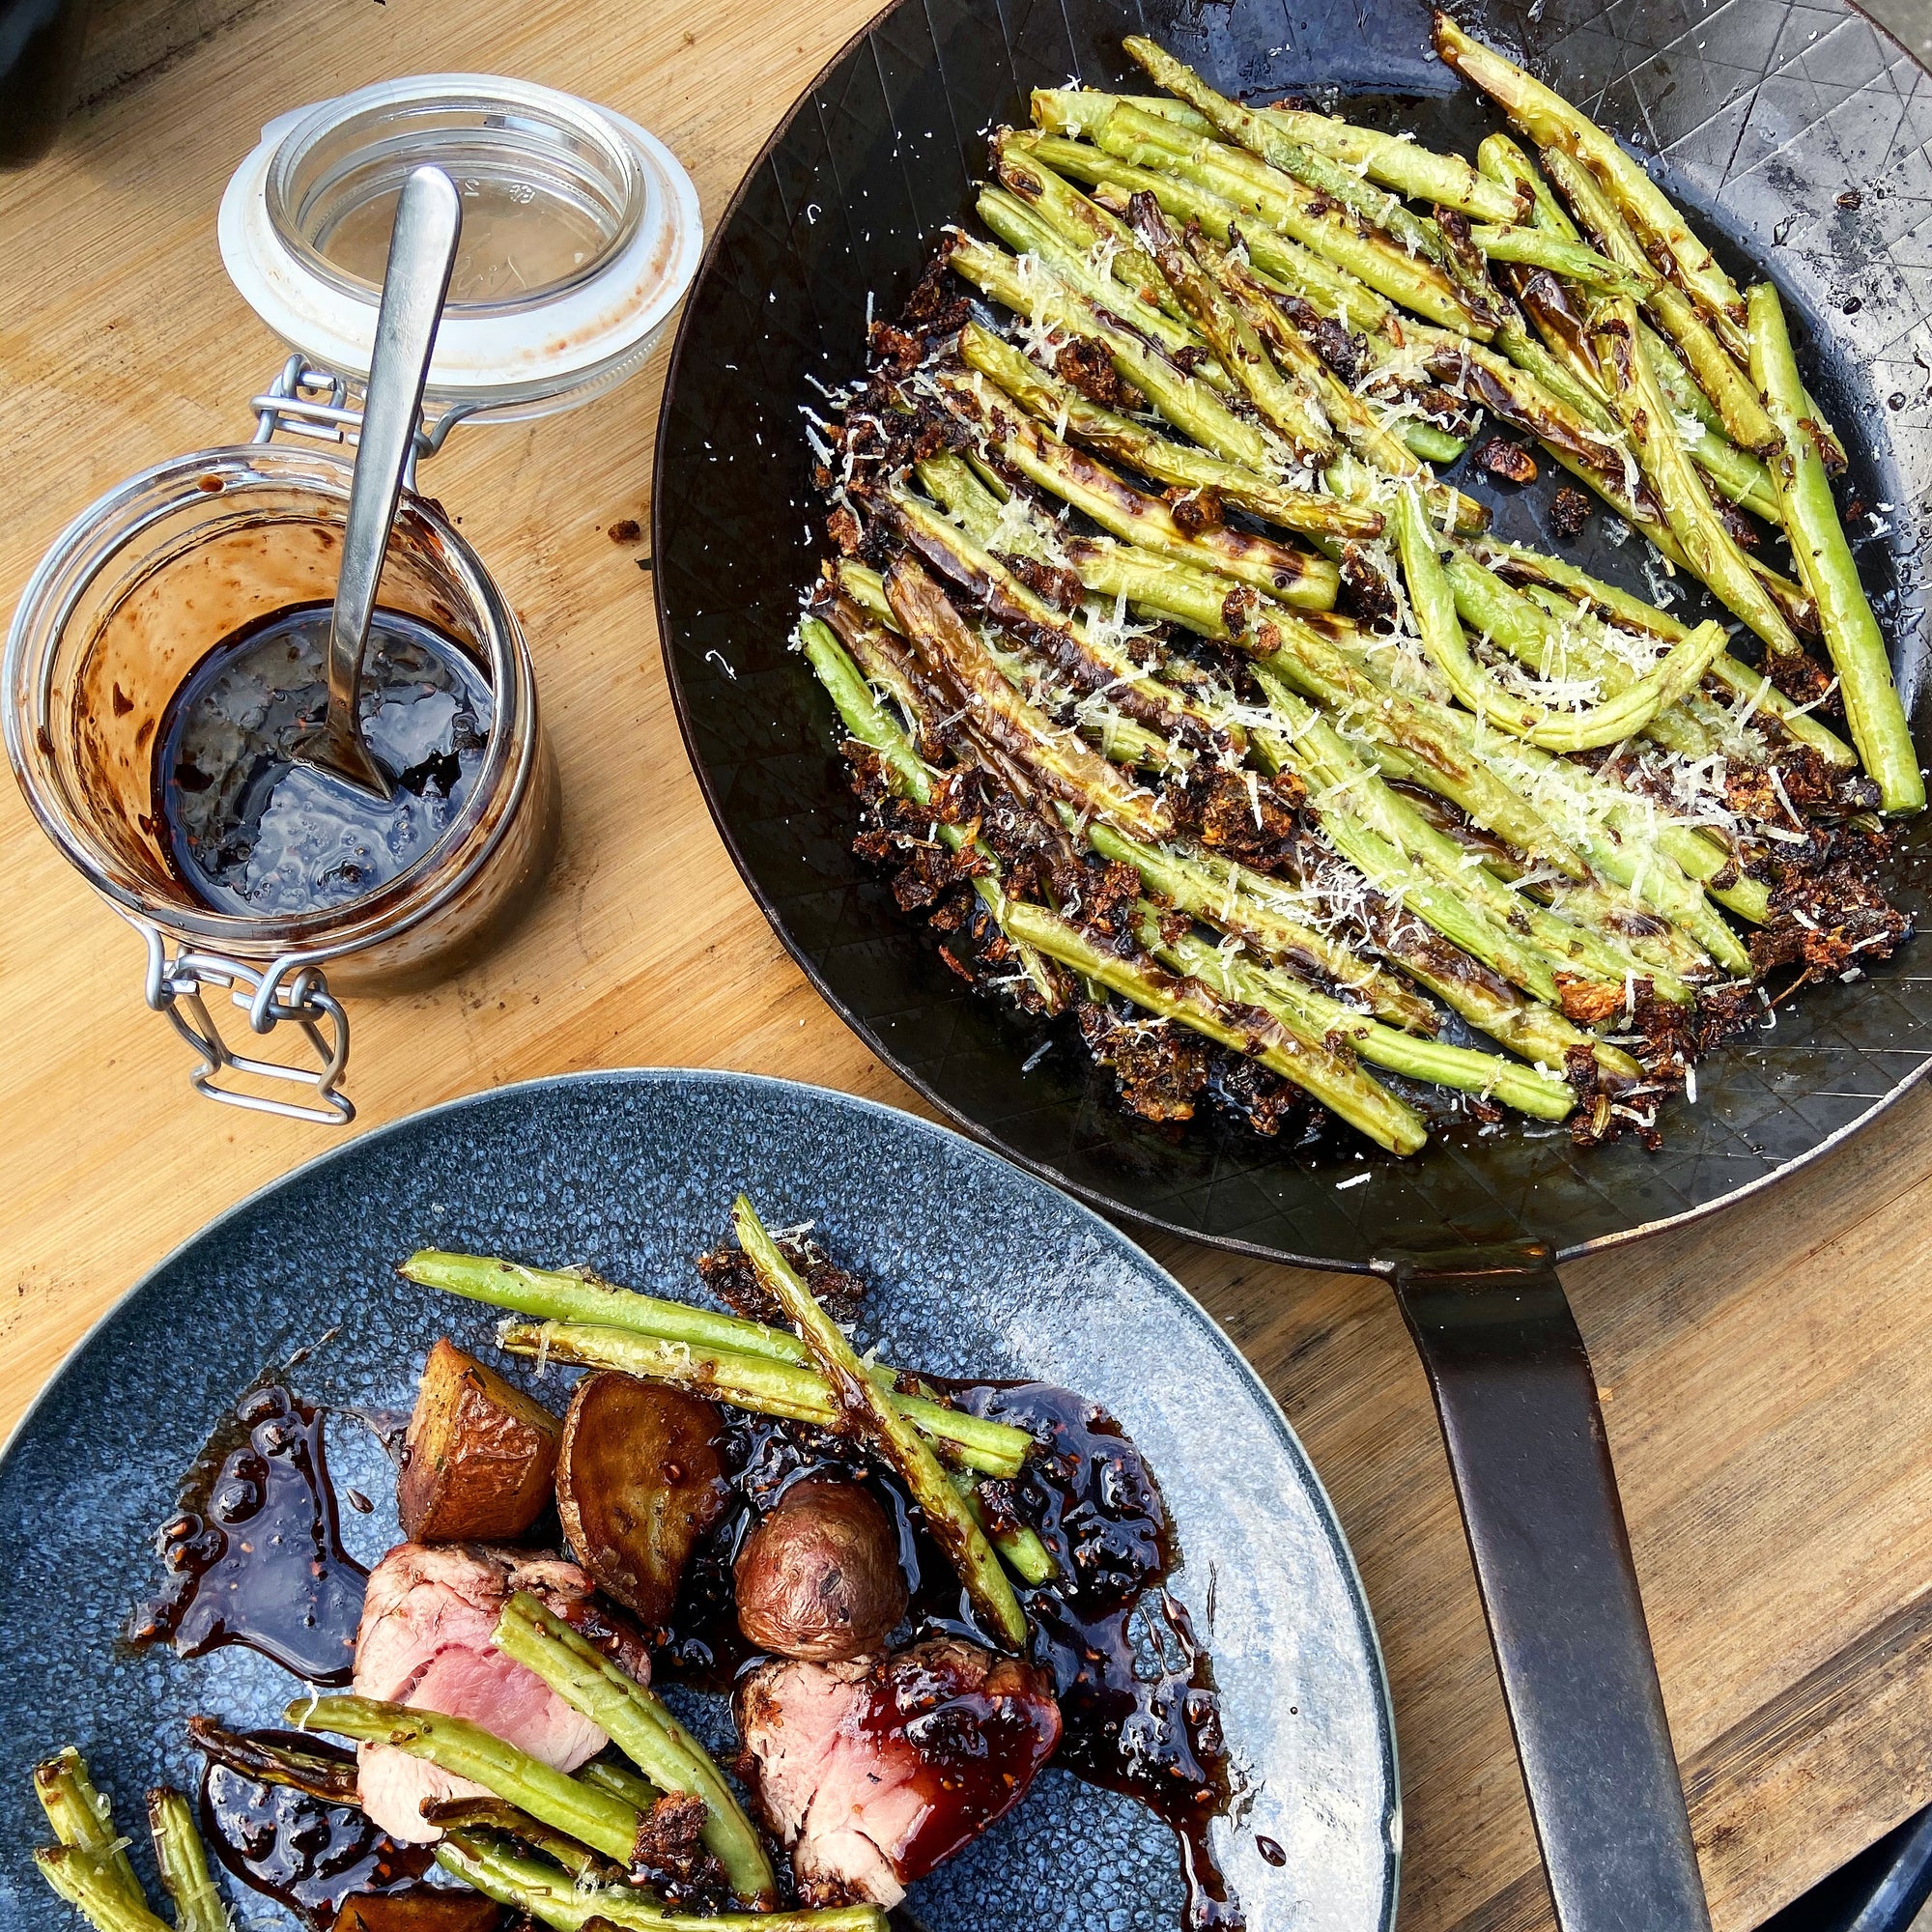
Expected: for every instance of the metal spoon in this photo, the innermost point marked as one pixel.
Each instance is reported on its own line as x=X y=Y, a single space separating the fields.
x=422 y=250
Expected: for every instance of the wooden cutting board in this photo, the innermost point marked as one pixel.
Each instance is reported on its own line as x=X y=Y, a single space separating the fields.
x=1764 y=1376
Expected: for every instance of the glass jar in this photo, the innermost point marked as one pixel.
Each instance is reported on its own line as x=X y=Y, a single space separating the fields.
x=581 y=235
x=119 y=613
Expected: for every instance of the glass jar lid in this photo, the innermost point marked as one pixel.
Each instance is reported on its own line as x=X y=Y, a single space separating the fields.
x=581 y=234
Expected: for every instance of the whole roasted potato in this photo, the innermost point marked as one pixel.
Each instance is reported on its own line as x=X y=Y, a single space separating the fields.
x=640 y=1478
x=819 y=1578
x=479 y=1456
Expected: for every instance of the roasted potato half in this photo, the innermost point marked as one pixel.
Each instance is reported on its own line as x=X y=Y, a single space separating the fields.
x=418 y=1910
x=479 y=1458
x=640 y=1478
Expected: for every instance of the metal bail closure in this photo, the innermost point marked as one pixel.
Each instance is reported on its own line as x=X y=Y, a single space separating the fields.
x=581 y=234
x=175 y=988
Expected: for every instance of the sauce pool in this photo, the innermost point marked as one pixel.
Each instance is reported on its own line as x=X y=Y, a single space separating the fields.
x=254 y=1553
x=255 y=1557
x=1136 y=1688
x=299 y=1851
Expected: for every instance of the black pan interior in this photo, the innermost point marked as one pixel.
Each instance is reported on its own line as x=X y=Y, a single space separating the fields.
x=1794 y=132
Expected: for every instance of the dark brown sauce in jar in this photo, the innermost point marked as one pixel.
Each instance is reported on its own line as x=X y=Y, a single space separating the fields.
x=254 y=1551
x=1134 y=1686
x=251 y=832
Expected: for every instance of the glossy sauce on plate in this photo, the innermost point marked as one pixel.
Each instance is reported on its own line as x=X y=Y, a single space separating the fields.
x=305 y=1854
x=251 y=832
x=254 y=1552
x=255 y=1557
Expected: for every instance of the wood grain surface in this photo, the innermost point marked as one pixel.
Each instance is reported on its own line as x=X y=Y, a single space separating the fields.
x=1764 y=1376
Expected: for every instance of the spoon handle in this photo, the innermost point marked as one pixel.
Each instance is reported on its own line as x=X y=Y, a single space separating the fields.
x=422 y=251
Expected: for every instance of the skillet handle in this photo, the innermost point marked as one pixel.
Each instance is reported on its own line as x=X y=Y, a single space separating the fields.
x=1518 y=1403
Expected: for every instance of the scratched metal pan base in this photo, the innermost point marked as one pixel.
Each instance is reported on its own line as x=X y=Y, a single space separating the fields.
x=1765 y=116
x=973 y=1268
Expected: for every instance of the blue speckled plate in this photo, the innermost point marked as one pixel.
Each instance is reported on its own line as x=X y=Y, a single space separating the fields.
x=975 y=1269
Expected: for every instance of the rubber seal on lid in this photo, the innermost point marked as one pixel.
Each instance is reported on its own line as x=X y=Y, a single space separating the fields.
x=582 y=234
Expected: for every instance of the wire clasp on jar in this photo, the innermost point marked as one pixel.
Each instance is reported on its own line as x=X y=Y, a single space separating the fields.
x=286 y=992
x=310 y=402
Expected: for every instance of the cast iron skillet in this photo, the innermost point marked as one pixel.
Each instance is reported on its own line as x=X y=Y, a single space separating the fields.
x=842 y=211
x=1792 y=132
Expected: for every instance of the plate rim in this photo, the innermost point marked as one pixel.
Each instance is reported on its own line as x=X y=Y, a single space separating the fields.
x=1389 y=1828
x=969 y=1128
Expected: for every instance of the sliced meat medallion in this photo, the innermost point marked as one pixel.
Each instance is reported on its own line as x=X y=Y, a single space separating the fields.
x=425 y=1641
x=872 y=1774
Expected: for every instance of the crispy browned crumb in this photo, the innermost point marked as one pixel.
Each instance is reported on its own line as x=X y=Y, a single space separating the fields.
x=1508 y=460
x=1195 y=510
x=844 y=529
x=1365 y=591
x=1239 y=609
x=1241 y=813
x=1801 y=678
x=1828 y=916
x=1605 y=1105
x=1570 y=512
x=1798 y=780
x=900 y=349
x=1062 y=588
x=1587 y=1002
x=1267 y=1103
x=1087 y=363
x=898 y=832
x=1104 y=902
x=729 y=1275
x=669 y=1854
x=1159 y=1068
x=1448 y=410
x=937 y=306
